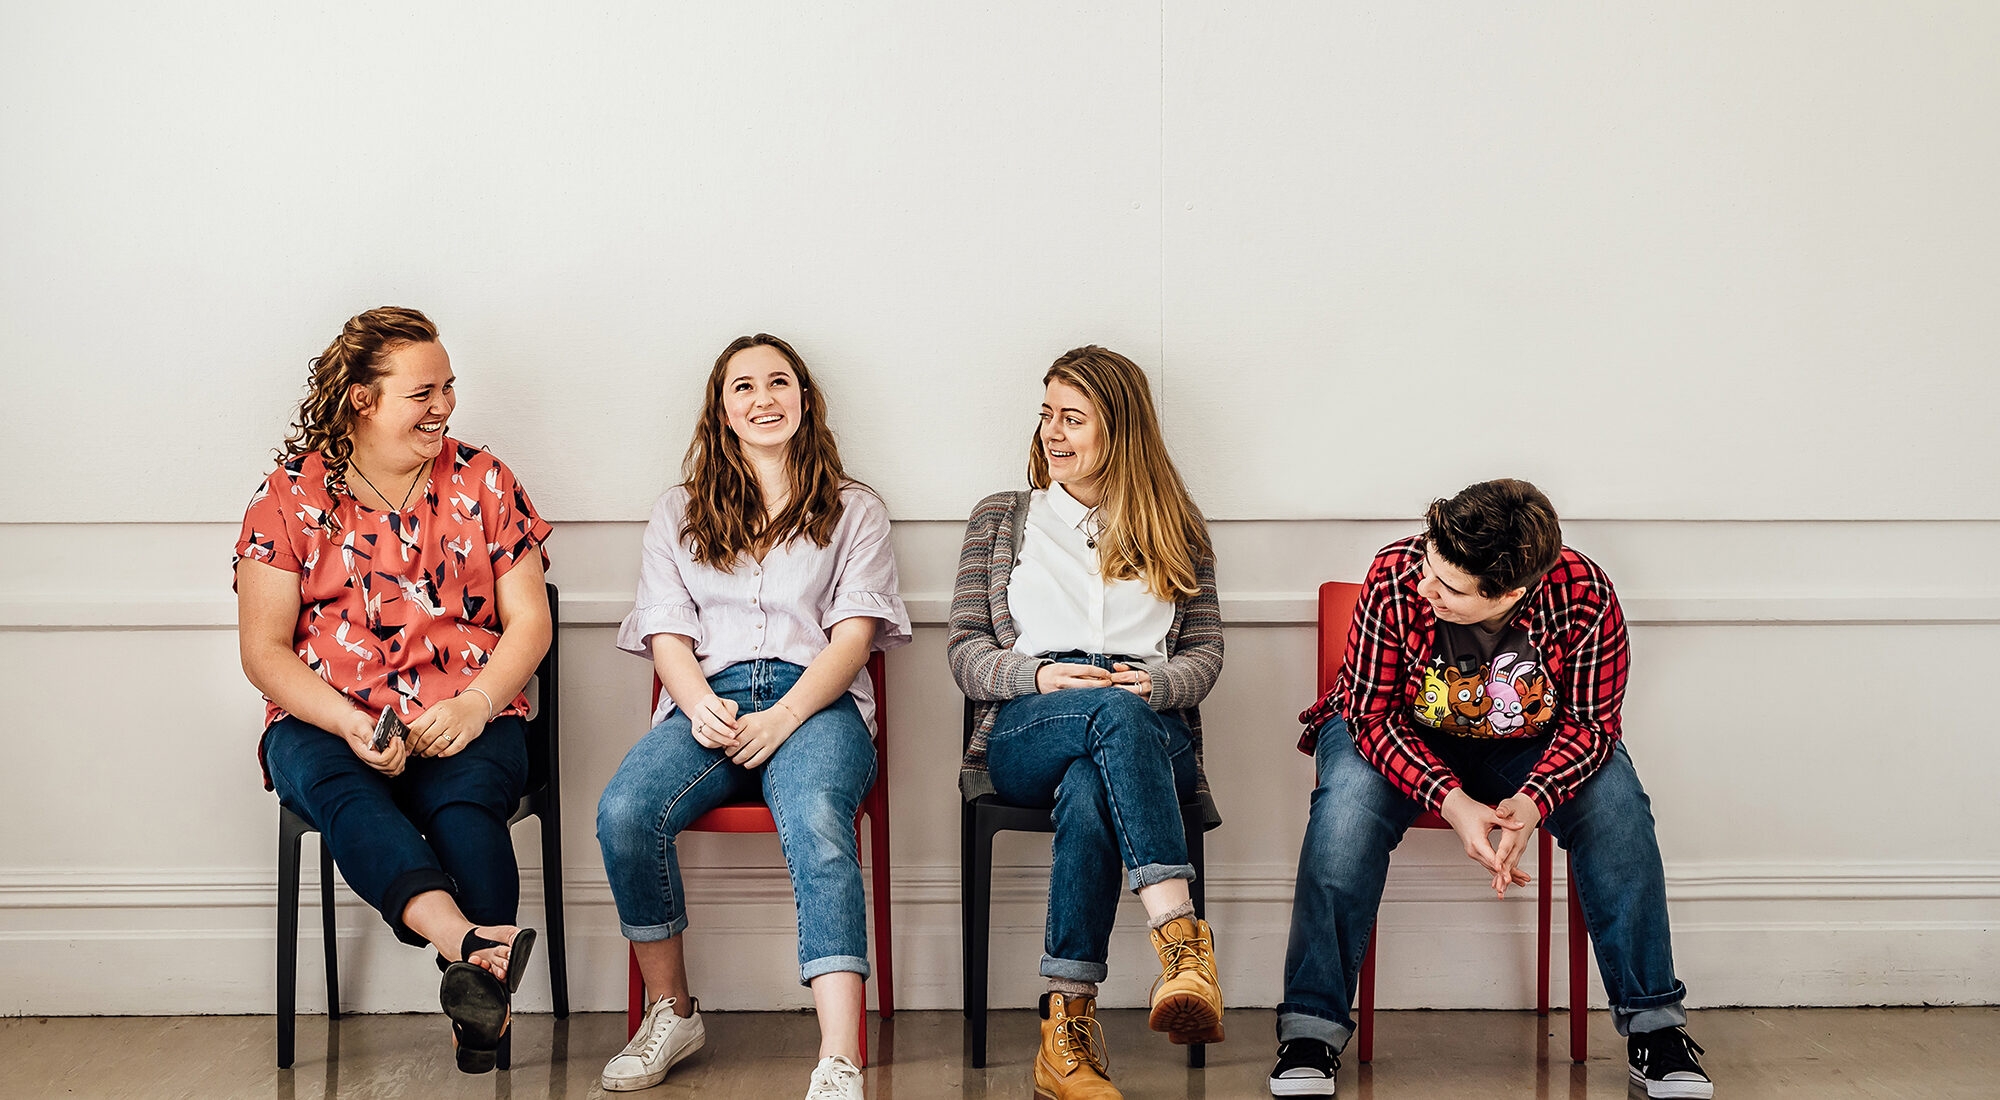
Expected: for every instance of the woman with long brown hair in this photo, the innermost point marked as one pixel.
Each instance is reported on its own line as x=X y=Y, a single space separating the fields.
x=766 y=580
x=1084 y=624
x=387 y=574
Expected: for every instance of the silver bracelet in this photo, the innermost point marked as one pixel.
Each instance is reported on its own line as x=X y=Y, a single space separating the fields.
x=489 y=702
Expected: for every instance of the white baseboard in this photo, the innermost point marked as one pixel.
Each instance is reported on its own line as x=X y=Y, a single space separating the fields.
x=202 y=941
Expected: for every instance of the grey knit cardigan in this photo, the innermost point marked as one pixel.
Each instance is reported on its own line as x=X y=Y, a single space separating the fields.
x=990 y=672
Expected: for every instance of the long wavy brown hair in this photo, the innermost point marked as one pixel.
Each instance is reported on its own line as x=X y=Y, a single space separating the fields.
x=725 y=515
x=1151 y=528
x=357 y=357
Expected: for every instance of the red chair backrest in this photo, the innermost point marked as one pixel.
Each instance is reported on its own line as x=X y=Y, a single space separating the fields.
x=1336 y=617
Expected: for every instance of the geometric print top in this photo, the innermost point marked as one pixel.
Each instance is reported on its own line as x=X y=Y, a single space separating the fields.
x=398 y=608
x=1572 y=624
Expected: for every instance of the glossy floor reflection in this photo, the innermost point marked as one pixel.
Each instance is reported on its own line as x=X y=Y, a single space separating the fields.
x=1823 y=1053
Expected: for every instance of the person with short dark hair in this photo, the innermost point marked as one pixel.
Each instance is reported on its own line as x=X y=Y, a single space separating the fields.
x=1482 y=681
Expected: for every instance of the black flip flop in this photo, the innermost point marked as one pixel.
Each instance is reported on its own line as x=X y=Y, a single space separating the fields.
x=477 y=1002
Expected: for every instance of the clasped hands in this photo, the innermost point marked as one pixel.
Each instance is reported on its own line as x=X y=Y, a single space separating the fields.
x=749 y=740
x=1060 y=675
x=1474 y=821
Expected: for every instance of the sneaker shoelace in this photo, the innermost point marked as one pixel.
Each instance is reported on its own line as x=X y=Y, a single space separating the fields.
x=1675 y=1051
x=647 y=1043
x=831 y=1079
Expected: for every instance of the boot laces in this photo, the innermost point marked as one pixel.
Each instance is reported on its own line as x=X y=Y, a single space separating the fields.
x=1082 y=1035
x=1183 y=955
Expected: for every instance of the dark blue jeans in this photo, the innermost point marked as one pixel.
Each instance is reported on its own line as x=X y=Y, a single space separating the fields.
x=1358 y=816
x=1115 y=772
x=813 y=785
x=441 y=825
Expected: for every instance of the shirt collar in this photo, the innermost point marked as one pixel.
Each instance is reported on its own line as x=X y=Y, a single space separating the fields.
x=1067 y=508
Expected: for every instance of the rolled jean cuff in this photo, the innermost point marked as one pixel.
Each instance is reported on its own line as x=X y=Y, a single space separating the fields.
x=1074 y=970
x=833 y=964
x=653 y=933
x=1633 y=1021
x=1304 y=1025
x=403 y=889
x=1152 y=874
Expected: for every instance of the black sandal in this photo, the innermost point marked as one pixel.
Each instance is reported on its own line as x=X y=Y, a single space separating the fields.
x=477 y=1002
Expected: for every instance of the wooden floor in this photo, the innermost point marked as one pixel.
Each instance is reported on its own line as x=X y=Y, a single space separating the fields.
x=1828 y=1054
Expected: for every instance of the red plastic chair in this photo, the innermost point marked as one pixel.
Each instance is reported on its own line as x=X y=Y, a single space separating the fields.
x=755 y=817
x=1336 y=615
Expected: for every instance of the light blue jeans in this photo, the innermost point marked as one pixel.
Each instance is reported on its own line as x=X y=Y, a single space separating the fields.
x=813 y=785
x=1358 y=816
x=1114 y=771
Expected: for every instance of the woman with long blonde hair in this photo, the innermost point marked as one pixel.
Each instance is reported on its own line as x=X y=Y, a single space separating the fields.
x=389 y=578
x=766 y=579
x=1084 y=625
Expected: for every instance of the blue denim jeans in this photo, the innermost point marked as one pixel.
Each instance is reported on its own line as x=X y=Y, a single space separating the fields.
x=1358 y=816
x=441 y=825
x=1115 y=772
x=813 y=785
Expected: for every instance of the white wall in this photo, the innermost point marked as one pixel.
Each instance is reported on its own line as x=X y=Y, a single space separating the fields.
x=1709 y=274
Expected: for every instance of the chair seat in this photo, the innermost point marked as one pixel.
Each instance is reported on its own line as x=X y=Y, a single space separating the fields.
x=736 y=817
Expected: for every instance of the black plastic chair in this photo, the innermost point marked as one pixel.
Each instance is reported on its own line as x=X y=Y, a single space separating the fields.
x=979 y=821
x=543 y=801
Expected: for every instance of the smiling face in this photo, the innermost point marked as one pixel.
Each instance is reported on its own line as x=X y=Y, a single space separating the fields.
x=1454 y=594
x=1072 y=440
x=763 y=402
x=400 y=422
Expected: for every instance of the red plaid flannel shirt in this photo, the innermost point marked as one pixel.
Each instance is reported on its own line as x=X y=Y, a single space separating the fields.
x=1572 y=617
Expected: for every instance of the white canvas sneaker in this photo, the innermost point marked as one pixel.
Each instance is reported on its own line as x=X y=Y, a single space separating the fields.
x=835 y=1078
x=662 y=1040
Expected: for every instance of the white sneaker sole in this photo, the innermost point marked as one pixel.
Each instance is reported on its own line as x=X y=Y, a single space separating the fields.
x=1302 y=1086
x=647 y=1080
x=1672 y=1090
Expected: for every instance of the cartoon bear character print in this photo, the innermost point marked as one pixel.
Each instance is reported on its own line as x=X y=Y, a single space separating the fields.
x=1465 y=693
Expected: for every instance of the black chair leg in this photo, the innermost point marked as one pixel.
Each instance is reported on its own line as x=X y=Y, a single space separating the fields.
x=331 y=942
x=504 y=1057
x=553 y=904
x=288 y=939
x=1197 y=1053
x=976 y=944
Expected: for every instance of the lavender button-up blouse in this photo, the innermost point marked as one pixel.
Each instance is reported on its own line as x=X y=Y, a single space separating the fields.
x=782 y=607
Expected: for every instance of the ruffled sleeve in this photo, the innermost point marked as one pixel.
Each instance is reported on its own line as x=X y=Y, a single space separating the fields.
x=865 y=584
x=663 y=605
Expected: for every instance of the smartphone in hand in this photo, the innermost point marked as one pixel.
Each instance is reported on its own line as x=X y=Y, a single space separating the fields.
x=389 y=726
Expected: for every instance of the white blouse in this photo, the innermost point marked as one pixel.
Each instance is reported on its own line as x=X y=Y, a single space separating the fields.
x=1059 y=601
x=782 y=607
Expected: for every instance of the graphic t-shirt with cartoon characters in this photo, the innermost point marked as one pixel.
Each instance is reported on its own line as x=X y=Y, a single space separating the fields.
x=1485 y=684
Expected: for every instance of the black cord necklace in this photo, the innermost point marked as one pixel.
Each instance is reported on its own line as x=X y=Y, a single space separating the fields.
x=385 y=497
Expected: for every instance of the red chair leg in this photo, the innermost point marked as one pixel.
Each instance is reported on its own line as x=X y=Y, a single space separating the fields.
x=1364 y=1032
x=885 y=940
x=1543 y=912
x=636 y=984
x=1579 y=973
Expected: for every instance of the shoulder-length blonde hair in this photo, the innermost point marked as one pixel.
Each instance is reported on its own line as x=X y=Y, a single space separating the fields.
x=1151 y=529
x=725 y=514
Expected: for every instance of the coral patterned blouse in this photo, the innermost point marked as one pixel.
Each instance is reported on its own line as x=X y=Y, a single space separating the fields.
x=399 y=608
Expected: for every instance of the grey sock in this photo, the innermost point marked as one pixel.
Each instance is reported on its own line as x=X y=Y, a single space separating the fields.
x=1184 y=909
x=1073 y=988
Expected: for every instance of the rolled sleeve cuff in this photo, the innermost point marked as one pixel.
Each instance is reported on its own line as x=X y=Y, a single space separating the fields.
x=1435 y=791
x=1545 y=797
x=659 y=618
x=885 y=608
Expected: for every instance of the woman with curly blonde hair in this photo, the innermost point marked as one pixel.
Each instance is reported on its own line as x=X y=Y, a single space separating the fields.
x=389 y=580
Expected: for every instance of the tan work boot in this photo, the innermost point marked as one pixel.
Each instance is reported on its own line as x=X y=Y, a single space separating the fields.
x=1187 y=1000
x=1072 y=1062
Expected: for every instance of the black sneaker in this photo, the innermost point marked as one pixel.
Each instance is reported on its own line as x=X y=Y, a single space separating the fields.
x=1664 y=1061
x=1306 y=1067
